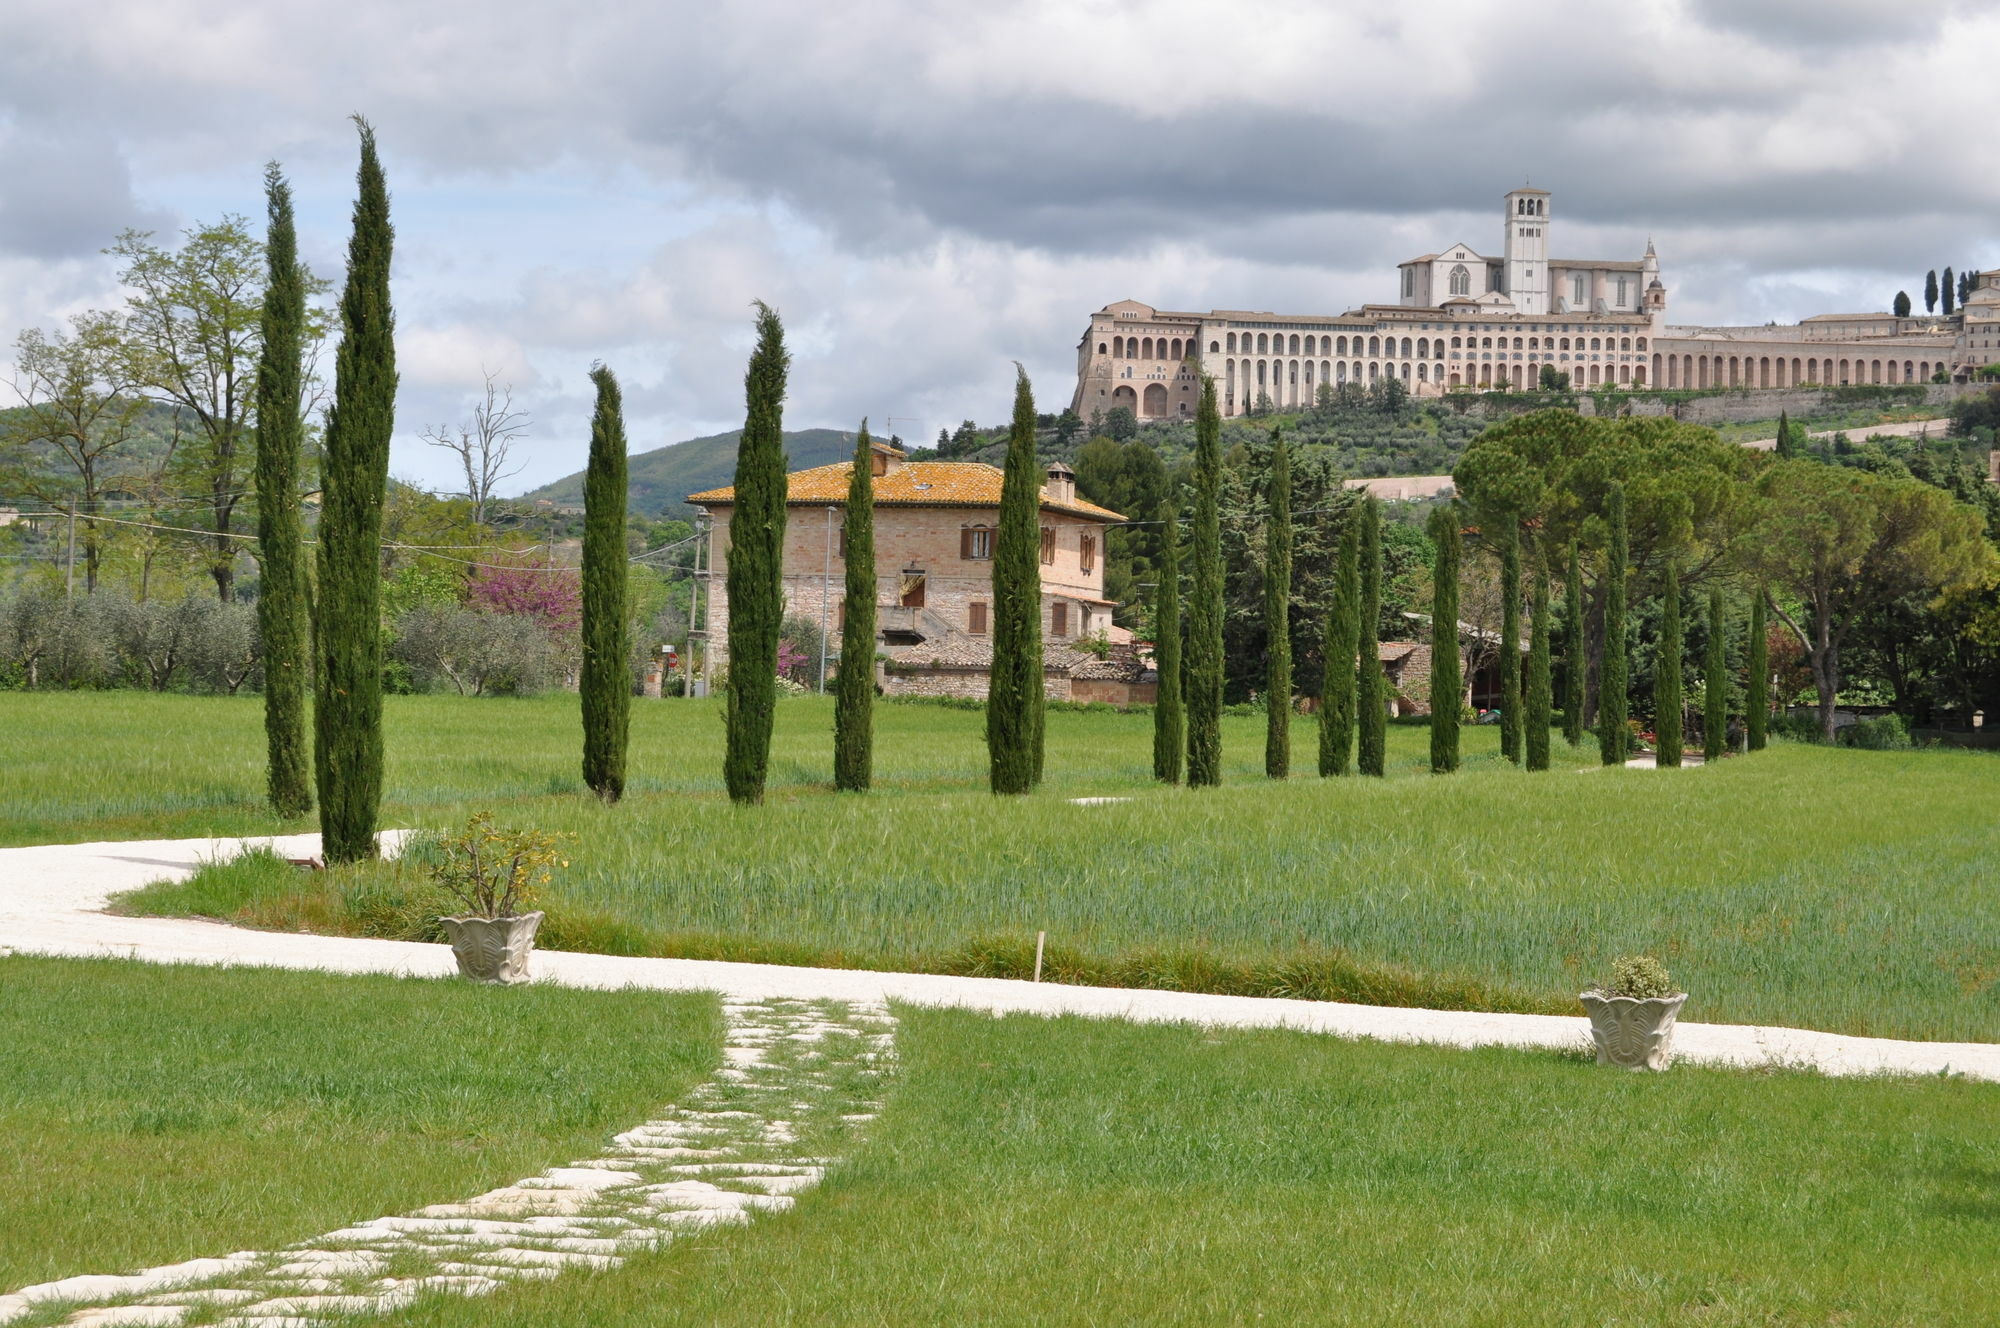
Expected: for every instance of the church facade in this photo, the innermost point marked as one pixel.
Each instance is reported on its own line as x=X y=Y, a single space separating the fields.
x=1470 y=321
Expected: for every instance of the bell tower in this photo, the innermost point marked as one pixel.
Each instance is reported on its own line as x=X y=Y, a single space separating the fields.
x=1527 y=250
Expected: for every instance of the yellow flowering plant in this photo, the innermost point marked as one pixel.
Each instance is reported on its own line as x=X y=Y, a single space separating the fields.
x=496 y=873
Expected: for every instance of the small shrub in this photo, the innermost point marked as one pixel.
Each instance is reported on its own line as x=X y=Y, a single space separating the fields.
x=1641 y=977
x=495 y=873
x=1884 y=733
x=1796 y=728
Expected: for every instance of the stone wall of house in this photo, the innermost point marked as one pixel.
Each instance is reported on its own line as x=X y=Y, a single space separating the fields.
x=970 y=683
x=1113 y=690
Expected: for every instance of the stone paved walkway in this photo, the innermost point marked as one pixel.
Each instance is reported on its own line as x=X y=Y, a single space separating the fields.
x=793 y=1072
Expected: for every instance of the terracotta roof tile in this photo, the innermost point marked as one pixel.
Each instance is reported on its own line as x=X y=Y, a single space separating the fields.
x=911 y=484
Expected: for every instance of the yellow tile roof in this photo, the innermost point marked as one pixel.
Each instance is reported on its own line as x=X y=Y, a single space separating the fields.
x=911 y=484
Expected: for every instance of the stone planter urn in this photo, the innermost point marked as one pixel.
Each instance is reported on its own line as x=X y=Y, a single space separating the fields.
x=493 y=949
x=1633 y=1033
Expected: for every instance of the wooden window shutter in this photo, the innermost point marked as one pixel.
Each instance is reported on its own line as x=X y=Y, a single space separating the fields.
x=965 y=544
x=975 y=618
x=1059 y=619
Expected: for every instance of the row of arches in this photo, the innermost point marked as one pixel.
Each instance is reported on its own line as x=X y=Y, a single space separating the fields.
x=1422 y=348
x=1152 y=406
x=1698 y=371
x=1146 y=348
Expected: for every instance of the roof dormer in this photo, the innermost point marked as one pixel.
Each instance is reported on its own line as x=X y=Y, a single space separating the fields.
x=884 y=459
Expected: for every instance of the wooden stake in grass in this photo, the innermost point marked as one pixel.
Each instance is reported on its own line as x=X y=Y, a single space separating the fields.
x=354 y=477
x=1203 y=673
x=1015 y=699
x=1575 y=665
x=1613 y=737
x=756 y=569
x=1169 y=716
x=1278 y=615
x=1757 y=698
x=1510 y=641
x=854 y=689
x=1343 y=636
x=281 y=604
x=604 y=683
x=1447 y=676
x=1714 y=683
x=1535 y=722
x=1370 y=705
x=1667 y=700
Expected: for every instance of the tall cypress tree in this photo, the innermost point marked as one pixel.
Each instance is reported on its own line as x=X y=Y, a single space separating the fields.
x=1714 y=683
x=1202 y=676
x=1510 y=642
x=1015 y=698
x=755 y=579
x=281 y=603
x=1946 y=292
x=1757 y=697
x=1576 y=665
x=1371 y=718
x=1447 y=675
x=347 y=715
x=1343 y=638
x=1930 y=291
x=1784 y=446
x=1668 y=707
x=854 y=689
x=1169 y=715
x=605 y=682
x=1278 y=615
x=1613 y=739
x=1535 y=722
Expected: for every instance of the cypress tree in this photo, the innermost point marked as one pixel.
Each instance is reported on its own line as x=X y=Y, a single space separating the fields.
x=1510 y=642
x=1015 y=696
x=1202 y=676
x=281 y=603
x=1447 y=676
x=1535 y=722
x=1343 y=638
x=1946 y=293
x=1714 y=683
x=1576 y=666
x=605 y=682
x=1169 y=716
x=1784 y=447
x=854 y=688
x=347 y=715
x=1278 y=616
x=1757 y=700
x=1901 y=308
x=1667 y=701
x=1930 y=291
x=756 y=586
x=1371 y=718
x=1612 y=736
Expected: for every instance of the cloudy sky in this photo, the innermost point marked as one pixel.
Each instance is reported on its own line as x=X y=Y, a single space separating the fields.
x=930 y=191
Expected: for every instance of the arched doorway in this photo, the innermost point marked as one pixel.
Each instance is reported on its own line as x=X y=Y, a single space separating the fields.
x=1124 y=396
x=1156 y=401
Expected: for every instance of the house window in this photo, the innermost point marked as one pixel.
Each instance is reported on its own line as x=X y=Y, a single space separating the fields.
x=1059 y=619
x=1048 y=545
x=975 y=543
x=1088 y=554
x=975 y=618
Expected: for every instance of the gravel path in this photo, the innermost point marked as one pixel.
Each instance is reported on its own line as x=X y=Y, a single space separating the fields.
x=50 y=899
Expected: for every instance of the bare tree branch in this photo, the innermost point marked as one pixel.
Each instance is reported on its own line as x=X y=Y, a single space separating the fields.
x=485 y=442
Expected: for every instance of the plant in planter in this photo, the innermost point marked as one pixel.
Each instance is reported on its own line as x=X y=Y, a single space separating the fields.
x=494 y=874
x=1632 y=1016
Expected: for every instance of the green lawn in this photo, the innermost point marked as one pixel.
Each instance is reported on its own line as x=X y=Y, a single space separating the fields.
x=1068 y=1172
x=154 y=1114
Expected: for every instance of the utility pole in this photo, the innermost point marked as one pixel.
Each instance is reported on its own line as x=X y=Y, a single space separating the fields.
x=69 y=575
x=825 y=589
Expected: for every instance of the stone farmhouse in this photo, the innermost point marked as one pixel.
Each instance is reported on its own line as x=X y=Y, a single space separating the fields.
x=935 y=526
x=1471 y=321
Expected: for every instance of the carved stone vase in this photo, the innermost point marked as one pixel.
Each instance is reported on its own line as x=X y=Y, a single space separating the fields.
x=1631 y=1033
x=493 y=949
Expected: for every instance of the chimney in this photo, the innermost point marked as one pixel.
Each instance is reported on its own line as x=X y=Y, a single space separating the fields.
x=1061 y=486
x=883 y=459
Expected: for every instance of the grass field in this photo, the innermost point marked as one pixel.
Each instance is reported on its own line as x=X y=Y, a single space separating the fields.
x=1077 y=1173
x=152 y=1114
x=1836 y=889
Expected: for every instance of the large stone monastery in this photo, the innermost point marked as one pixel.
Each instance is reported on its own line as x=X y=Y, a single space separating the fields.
x=1471 y=321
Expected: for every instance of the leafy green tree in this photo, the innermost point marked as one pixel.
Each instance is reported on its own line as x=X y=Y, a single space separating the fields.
x=1278 y=615
x=1447 y=681
x=755 y=576
x=1668 y=706
x=1576 y=663
x=281 y=599
x=1203 y=673
x=604 y=682
x=1510 y=641
x=1757 y=693
x=1169 y=713
x=1015 y=700
x=1370 y=704
x=1714 y=683
x=1901 y=307
x=1343 y=639
x=347 y=716
x=1930 y=291
x=1068 y=425
x=1612 y=735
x=1120 y=424
x=1535 y=738
x=854 y=689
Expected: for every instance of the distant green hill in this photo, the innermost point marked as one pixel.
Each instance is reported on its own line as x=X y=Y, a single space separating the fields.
x=659 y=481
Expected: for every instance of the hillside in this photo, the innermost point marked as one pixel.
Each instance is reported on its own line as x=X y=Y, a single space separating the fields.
x=659 y=480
